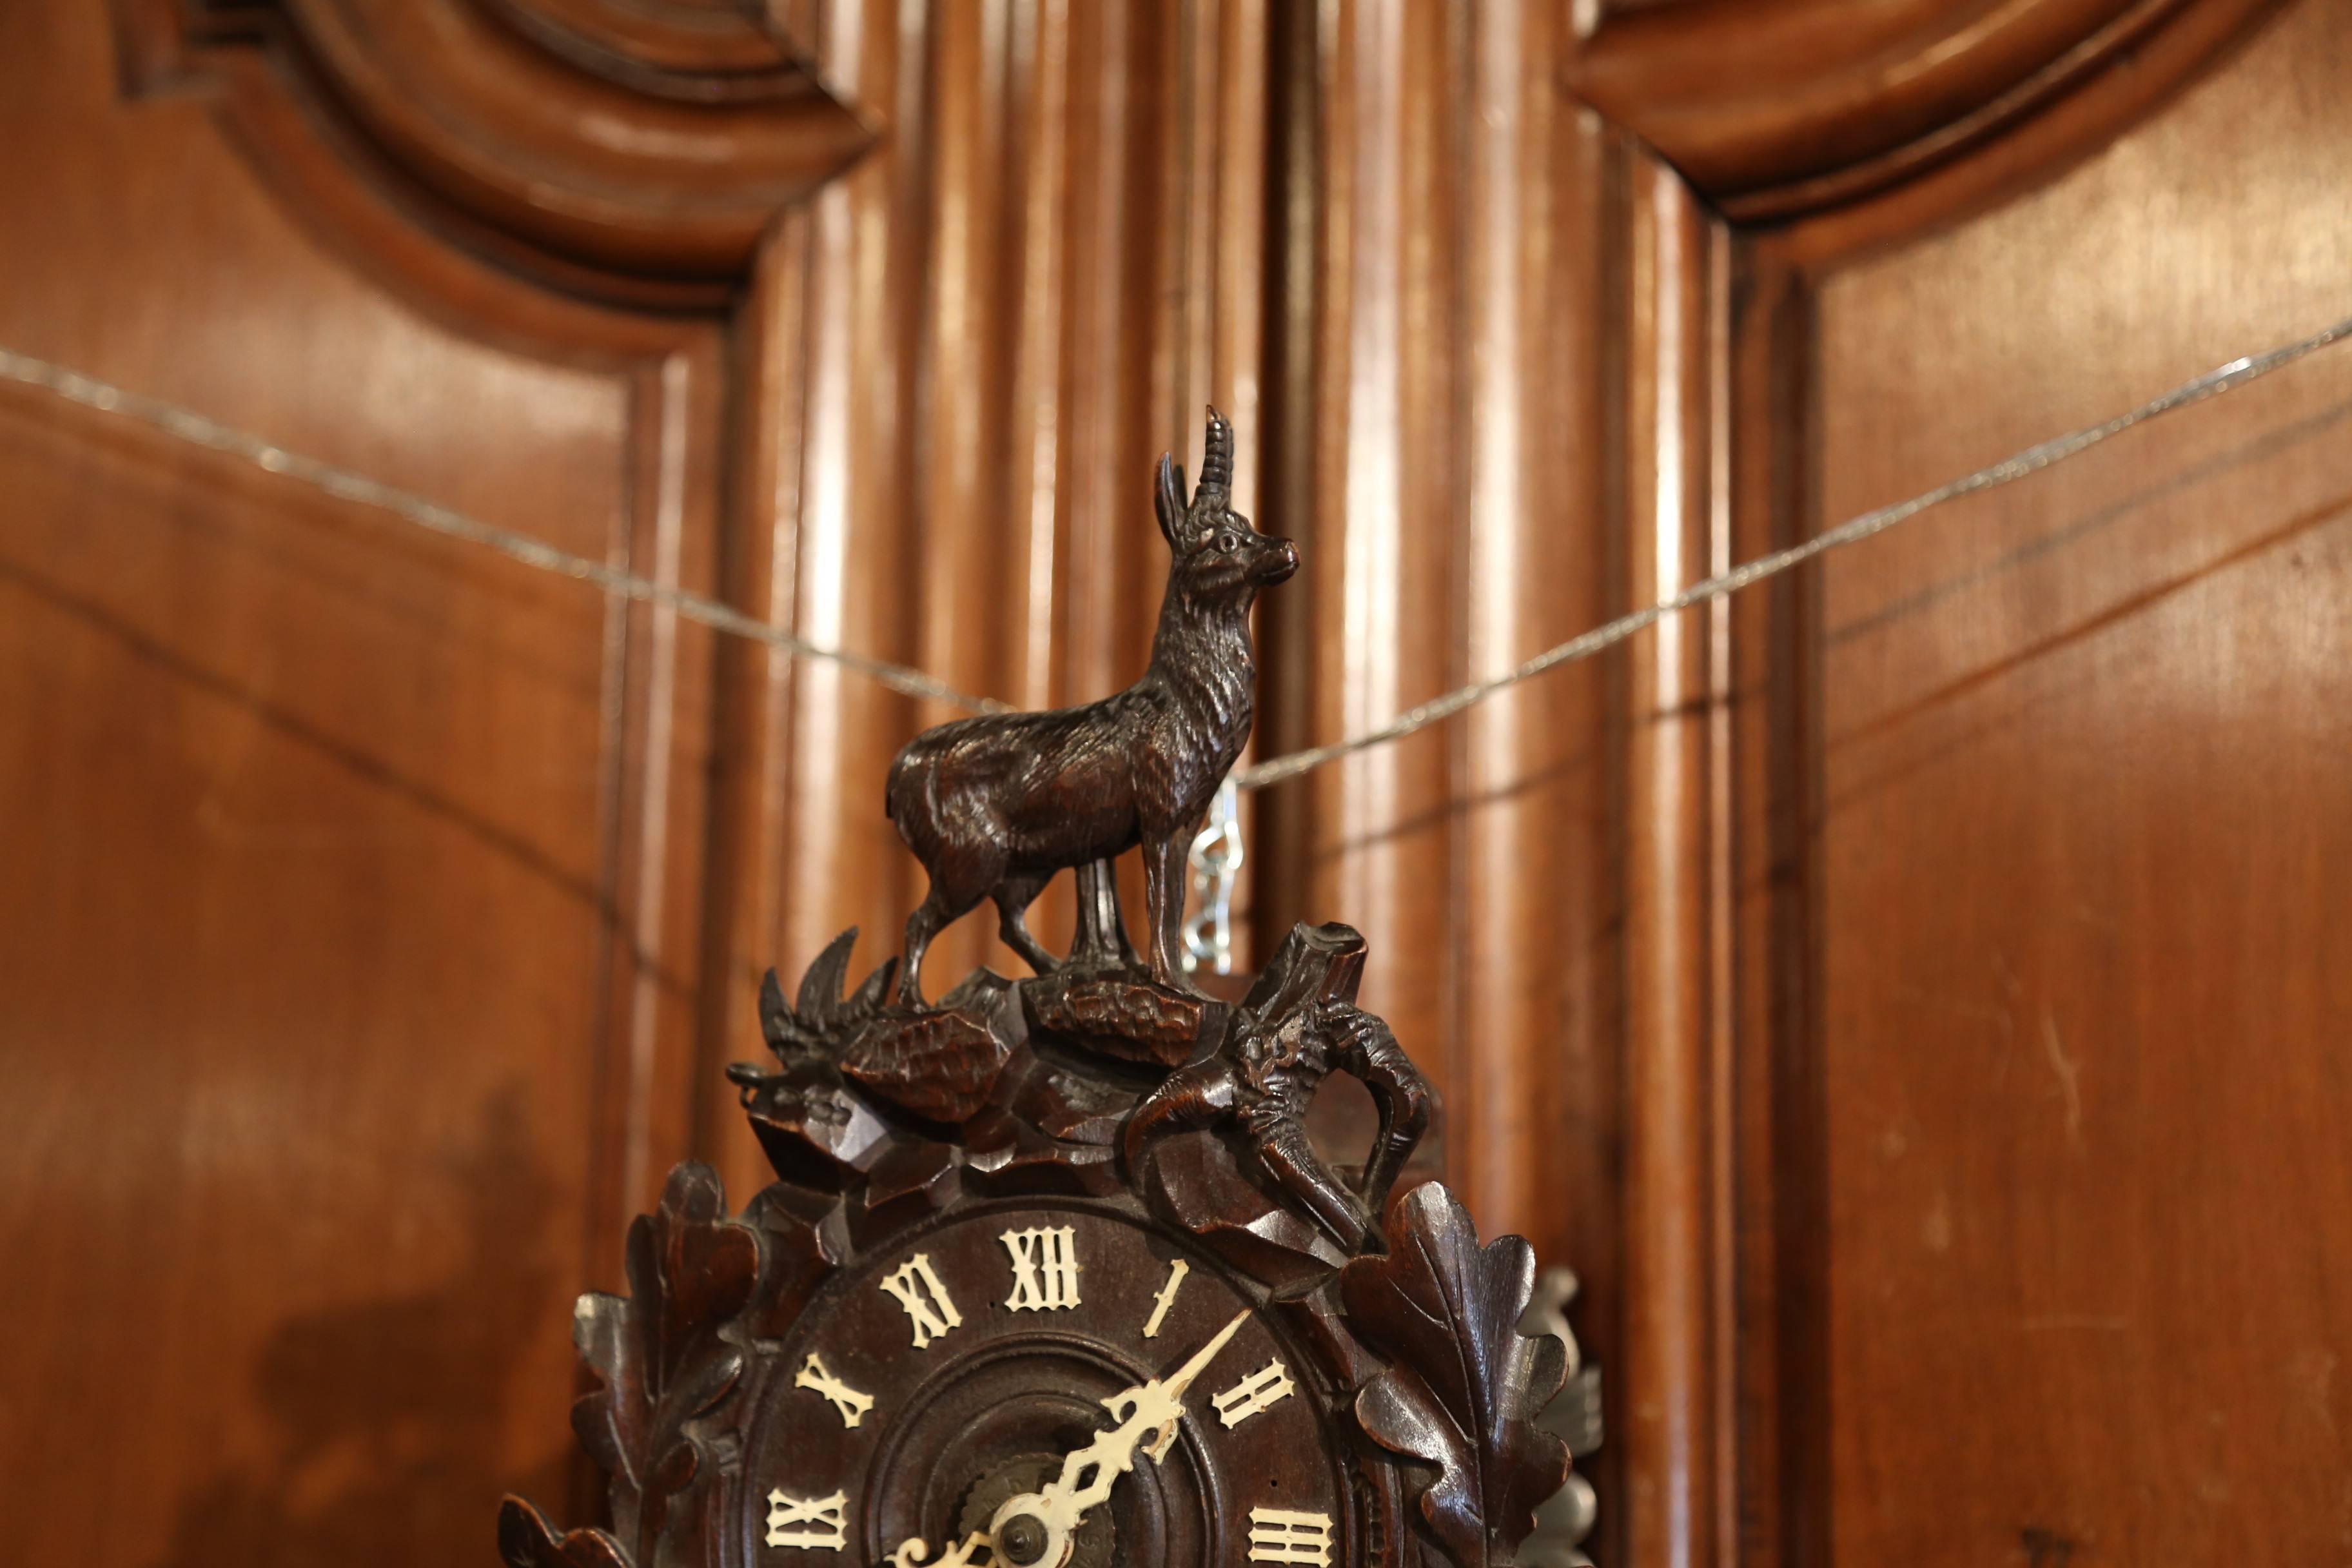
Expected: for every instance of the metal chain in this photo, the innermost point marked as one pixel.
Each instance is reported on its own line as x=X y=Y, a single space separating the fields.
x=1215 y=858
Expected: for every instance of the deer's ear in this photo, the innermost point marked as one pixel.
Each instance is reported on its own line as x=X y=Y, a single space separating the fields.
x=1170 y=501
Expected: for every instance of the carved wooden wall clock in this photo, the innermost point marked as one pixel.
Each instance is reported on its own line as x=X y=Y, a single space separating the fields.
x=1050 y=1274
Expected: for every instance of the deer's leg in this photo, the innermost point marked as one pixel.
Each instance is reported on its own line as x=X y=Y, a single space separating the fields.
x=1108 y=870
x=1282 y=1148
x=1155 y=877
x=1013 y=896
x=1091 y=944
x=946 y=902
x=1164 y=894
x=1371 y=1052
x=1102 y=933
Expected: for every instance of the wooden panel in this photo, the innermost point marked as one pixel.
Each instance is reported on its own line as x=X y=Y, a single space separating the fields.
x=352 y=882
x=1443 y=468
x=1448 y=350
x=2042 y=810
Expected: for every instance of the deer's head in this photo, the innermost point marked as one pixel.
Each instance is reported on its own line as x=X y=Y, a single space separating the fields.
x=1219 y=557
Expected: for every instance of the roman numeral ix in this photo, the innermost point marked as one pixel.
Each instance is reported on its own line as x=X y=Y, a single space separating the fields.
x=852 y=1404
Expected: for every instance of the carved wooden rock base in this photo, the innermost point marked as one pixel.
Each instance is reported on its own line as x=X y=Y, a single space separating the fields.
x=1062 y=1232
x=1119 y=1015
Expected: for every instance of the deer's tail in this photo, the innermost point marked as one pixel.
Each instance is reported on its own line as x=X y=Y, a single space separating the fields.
x=904 y=767
x=910 y=794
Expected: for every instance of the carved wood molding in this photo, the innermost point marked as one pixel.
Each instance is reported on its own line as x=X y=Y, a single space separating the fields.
x=567 y=147
x=696 y=51
x=1783 y=109
x=651 y=141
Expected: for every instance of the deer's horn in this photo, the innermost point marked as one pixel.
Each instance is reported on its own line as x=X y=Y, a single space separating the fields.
x=1168 y=500
x=1216 y=466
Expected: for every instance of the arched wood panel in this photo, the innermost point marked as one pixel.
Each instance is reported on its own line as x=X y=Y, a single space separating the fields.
x=1941 y=1159
x=1783 y=109
x=355 y=904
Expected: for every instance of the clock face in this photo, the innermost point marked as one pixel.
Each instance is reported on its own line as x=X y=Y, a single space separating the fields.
x=945 y=1372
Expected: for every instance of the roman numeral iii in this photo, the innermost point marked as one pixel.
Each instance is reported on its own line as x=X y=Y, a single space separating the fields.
x=1282 y=1535
x=1044 y=1269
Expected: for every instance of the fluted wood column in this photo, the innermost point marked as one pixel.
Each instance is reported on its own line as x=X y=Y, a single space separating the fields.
x=974 y=346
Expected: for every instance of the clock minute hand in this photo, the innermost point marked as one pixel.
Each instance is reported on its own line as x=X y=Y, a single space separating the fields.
x=1181 y=1379
x=1155 y=1407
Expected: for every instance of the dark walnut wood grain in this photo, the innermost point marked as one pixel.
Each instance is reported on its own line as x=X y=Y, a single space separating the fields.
x=904 y=1346
x=869 y=1391
x=995 y=806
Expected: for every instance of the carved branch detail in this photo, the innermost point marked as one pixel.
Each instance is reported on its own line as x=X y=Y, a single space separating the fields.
x=1299 y=1025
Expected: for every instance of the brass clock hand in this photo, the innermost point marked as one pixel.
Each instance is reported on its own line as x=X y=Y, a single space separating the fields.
x=1034 y=1530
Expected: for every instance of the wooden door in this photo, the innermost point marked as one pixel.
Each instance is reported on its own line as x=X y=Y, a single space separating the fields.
x=1908 y=995
x=2045 y=867
x=378 y=915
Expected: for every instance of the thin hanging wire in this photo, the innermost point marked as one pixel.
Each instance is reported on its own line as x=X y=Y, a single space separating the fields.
x=189 y=425
x=2212 y=384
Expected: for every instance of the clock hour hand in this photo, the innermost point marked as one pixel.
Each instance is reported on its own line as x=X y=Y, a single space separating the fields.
x=1034 y=1530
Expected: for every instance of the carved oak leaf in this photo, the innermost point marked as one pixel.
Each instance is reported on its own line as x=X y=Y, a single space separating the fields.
x=691 y=1268
x=1464 y=1386
x=527 y=1540
x=824 y=1013
x=659 y=1355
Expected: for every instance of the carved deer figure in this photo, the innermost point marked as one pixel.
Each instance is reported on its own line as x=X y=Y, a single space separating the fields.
x=993 y=806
